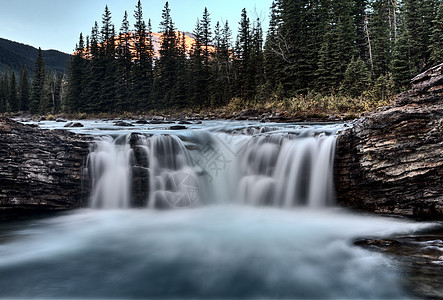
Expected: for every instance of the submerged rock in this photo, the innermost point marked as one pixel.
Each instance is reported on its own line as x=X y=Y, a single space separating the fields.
x=74 y=124
x=391 y=160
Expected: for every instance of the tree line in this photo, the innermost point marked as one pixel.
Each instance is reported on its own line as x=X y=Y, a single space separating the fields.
x=41 y=95
x=352 y=48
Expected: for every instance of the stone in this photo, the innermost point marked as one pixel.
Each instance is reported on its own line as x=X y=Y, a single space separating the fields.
x=391 y=161
x=177 y=127
x=123 y=124
x=40 y=170
x=74 y=124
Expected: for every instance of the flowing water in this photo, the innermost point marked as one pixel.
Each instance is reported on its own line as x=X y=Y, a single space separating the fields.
x=225 y=210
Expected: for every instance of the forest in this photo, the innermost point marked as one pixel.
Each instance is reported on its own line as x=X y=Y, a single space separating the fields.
x=321 y=56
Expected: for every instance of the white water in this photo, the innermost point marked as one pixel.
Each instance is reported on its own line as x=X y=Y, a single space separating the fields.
x=273 y=233
x=283 y=169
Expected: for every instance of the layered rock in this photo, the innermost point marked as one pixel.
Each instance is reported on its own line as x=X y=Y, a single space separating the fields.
x=40 y=170
x=391 y=161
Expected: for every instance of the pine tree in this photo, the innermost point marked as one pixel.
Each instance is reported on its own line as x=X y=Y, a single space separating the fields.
x=356 y=79
x=401 y=65
x=124 y=64
x=74 y=99
x=24 y=90
x=143 y=67
x=436 y=38
x=257 y=57
x=94 y=73
x=243 y=56
x=206 y=35
x=38 y=84
x=107 y=95
x=14 y=100
x=166 y=66
x=196 y=75
x=380 y=32
x=3 y=92
x=274 y=59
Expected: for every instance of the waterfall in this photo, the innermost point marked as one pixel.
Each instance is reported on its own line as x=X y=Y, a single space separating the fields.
x=200 y=167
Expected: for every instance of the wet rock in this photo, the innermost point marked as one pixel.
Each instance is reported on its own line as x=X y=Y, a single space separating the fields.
x=177 y=127
x=141 y=122
x=40 y=170
x=60 y=121
x=123 y=124
x=185 y=122
x=73 y=124
x=391 y=160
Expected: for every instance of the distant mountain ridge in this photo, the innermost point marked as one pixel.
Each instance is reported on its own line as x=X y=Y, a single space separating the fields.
x=14 y=56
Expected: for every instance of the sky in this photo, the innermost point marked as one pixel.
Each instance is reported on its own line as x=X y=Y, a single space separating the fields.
x=56 y=24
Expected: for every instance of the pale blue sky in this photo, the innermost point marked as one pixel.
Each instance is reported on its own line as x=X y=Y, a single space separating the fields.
x=56 y=24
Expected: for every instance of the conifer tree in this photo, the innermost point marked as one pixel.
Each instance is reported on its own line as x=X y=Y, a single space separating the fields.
x=273 y=51
x=124 y=64
x=400 y=64
x=107 y=95
x=14 y=100
x=94 y=72
x=206 y=35
x=4 y=83
x=24 y=90
x=381 y=37
x=356 y=79
x=166 y=66
x=74 y=101
x=257 y=57
x=436 y=38
x=38 y=84
x=143 y=67
x=243 y=57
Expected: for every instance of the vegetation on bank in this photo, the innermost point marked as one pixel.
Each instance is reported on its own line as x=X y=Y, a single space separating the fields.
x=319 y=58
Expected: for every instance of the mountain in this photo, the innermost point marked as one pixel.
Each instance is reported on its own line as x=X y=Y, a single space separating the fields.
x=14 y=56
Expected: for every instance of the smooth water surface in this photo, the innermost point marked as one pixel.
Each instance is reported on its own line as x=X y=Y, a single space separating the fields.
x=207 y=252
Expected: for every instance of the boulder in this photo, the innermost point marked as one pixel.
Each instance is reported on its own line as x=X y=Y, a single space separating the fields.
x=40 y=170
x=391 y=161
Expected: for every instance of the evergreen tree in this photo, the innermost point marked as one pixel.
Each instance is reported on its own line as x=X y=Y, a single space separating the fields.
x=274 y=59
x=197 y=76
x=38 y=84
x=381 y=37
x=124 y=64
x=54 y=93
x=74 y=101
x=361 y=39
x=94 y=72
x=243 y=58
x=401 y=65
x=107 y=95
x=143 y=68
x=257 y=56
x=166 y=66
x=436 y=38
x=356 y=79
x=3 y=92
x=14 y=100
x=25 y=92
x=206 y=35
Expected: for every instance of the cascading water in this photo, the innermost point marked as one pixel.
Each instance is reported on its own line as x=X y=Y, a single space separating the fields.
x=261 y=167
x=251 y=251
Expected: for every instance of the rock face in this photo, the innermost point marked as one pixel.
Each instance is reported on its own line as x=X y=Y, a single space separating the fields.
x=391 y=161
x=40 y=170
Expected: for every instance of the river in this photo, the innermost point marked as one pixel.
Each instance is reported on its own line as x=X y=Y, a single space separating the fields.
x=230 y=210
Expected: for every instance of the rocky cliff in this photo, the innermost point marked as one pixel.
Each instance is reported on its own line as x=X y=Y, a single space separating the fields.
x=391 y=161
x=40 y=170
